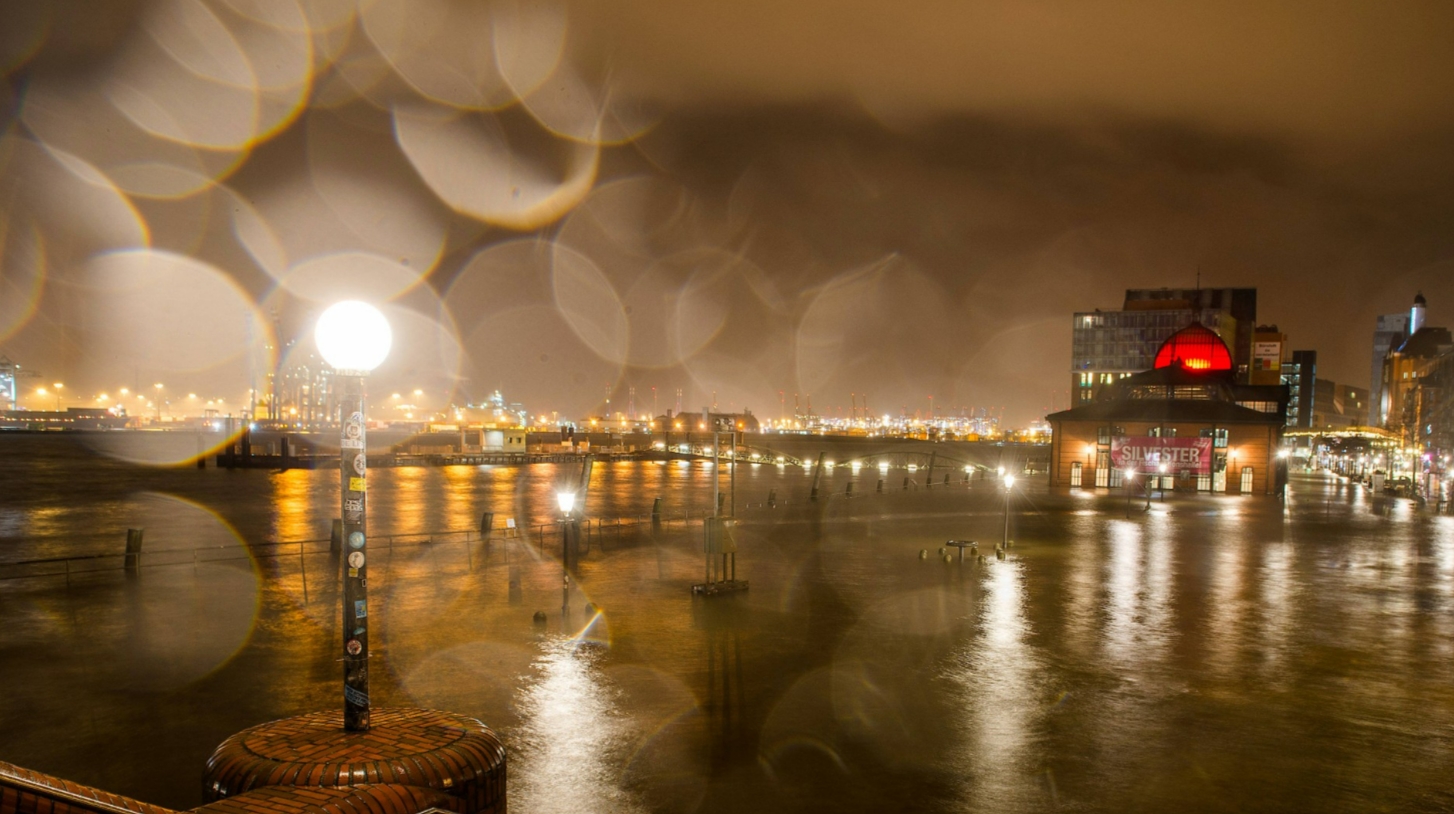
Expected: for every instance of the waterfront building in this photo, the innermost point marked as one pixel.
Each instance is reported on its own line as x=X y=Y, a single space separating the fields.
x=1403 y=403
x=71 y=418
x=1107 y=346
x=1390 y=331
x=1188 y=412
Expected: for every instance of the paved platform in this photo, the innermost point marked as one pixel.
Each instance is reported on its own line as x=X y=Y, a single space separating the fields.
x=452 y=754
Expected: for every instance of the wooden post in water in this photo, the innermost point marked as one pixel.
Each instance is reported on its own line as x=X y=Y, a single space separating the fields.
x=817 y=474
x=133 y=548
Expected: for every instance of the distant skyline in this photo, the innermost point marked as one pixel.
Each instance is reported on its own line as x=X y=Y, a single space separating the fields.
x=816 y=198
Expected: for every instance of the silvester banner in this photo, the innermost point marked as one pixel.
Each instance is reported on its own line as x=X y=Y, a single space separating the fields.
x=1179 y=454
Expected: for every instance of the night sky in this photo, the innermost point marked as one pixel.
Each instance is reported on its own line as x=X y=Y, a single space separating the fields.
x=815 y=197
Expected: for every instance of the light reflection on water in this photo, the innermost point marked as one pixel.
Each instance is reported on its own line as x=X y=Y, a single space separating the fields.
x=574 y=737
x=1001 y=678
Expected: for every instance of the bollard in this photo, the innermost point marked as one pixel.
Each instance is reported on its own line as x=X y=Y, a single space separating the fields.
x=923 y=553
x=943 y=551
x=514 y=584
x=539 y=618
x=948 y=559
x=335 y=537
x=487 y=524
x=133 y=549
x=999 y=553
x=906 y=484
x=772 y=498
x=849 y=492
x=981 y=559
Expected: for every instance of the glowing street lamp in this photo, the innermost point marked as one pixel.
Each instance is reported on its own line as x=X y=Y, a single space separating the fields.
x=354 y=338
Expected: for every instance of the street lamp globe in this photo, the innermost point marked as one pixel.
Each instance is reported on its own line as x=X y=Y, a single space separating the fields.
x=353 y=336
x=1009 y=481
x=567 y=501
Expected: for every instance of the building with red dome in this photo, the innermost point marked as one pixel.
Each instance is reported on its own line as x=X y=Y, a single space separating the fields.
x=1188 y=423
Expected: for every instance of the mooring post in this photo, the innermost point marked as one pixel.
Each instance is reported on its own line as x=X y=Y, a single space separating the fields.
x=133 y=548
x=817 y=474
x=880 y=485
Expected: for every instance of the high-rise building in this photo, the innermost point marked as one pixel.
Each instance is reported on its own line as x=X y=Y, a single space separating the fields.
x=1110 y=345
x=1299 y=374
x=1403 y=403
x=1338 y=405
x=1391 y=331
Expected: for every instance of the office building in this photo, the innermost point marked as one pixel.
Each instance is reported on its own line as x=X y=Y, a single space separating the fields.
x=1298 y=374
x=1107 y=346
x=1391 y=330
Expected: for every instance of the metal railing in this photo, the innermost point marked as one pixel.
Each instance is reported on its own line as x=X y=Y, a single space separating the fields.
x=537 y=535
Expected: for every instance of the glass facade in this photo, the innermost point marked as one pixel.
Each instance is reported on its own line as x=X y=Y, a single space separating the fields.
x=1110 y=345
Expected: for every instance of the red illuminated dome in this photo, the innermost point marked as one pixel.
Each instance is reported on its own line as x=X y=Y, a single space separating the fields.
x=1195 y=347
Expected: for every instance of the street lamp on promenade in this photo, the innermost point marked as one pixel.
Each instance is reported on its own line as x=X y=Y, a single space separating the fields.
x=354 y=338
x=1129 y=475
x=567 y=502
x=1009 y=486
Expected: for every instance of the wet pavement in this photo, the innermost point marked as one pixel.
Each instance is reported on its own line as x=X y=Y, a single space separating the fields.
x=1210 y=653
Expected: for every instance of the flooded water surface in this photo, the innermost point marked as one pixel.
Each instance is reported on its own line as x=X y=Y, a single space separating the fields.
x=1201 y=653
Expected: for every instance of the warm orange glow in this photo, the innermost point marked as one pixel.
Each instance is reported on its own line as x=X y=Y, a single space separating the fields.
x=1197 y=364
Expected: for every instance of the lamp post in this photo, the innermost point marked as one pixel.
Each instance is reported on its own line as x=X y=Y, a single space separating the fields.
x=1129 y=475
x=353 y=337
x=1009 y=485
x=567 y=502
x=1160 y=483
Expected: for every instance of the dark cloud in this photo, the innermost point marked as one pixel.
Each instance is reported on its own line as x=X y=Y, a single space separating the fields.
x=836 y=197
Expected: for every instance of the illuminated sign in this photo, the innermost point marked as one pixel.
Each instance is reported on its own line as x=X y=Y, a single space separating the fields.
x=1148 y=454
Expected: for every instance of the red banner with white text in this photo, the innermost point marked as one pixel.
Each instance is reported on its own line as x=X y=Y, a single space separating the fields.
x=1148 y=454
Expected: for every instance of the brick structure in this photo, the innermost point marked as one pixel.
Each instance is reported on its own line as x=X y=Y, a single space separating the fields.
x=23 y=791
x=409 y=748
x=356 y=800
